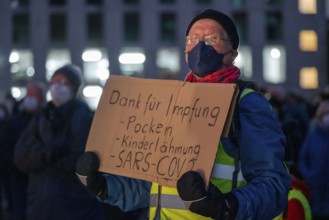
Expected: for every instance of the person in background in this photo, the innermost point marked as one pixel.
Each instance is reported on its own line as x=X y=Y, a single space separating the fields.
x=11 y=103
x=299 y=195
x=314 y=164
x=16 y=180
x=290 y=105
x=4 y=115
x=315 y=102
x=261 y=189
x=49 y=148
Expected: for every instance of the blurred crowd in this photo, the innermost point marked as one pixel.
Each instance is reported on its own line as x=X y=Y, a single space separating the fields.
x=41 y=141
x=306 y=126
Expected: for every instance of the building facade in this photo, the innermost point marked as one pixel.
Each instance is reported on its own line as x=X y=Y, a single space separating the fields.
x=282 y=42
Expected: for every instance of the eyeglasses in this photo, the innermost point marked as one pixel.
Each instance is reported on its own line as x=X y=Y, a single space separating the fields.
x=212 y=40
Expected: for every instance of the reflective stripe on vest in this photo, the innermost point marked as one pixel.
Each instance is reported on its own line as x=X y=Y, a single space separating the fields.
x=168 y=201
x=171 y=206
x=225 y=172
x=297 y=194
x=222 y=174
x=245 y=92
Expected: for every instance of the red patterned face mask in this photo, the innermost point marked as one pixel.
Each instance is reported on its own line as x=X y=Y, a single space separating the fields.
x=225 y=75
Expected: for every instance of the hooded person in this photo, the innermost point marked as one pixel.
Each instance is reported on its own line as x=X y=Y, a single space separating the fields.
x=249 y=179
x=48 y=149
x=65 y=84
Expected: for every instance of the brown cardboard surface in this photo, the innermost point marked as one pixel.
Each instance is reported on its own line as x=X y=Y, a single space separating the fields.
x=156 y=130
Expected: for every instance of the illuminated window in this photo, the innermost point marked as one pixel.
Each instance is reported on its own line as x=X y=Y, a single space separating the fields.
x=96 y=72
x=308 y=78
x=21 y=66
x=92 y=95
x=307 y=6
x=244 y=61
x=95 y=66
x=274 y=68
x=18 y=92
x=168 y=62
x=132 y=61
x=55 y=59
x=308 y=40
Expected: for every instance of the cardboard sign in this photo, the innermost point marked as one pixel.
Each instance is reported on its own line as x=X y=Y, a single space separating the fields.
x=156 y=130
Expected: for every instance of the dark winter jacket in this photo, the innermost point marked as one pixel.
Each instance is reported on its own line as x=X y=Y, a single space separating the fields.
x=47 y=151
x=314 y=166
x=16 y=124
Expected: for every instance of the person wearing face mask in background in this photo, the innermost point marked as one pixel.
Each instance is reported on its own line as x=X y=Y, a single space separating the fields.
x=314 y=163
x=259 y=191
x=48 y=149
x=16 y=181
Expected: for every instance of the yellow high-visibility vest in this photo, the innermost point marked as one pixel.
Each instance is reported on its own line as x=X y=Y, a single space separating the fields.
x=165 y=203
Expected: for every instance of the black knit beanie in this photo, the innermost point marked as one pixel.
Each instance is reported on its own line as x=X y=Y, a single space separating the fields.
x=223 y=19
x=74 y=75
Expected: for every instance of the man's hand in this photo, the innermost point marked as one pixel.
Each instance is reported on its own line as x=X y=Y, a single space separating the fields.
x=191 y=187
x=212 y=203
x=87 y=171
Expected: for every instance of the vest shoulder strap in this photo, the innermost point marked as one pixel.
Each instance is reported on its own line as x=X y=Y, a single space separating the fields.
x=245 y=87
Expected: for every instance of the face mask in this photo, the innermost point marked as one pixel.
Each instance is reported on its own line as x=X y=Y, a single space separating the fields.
x=325 y=120
x=60 y=94
x=204 y=59
x=30 y=103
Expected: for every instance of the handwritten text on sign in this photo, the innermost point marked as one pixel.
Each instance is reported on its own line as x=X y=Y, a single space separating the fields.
x=157 y=130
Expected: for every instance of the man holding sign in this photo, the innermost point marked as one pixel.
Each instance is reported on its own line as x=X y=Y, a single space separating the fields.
x=248 y=178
